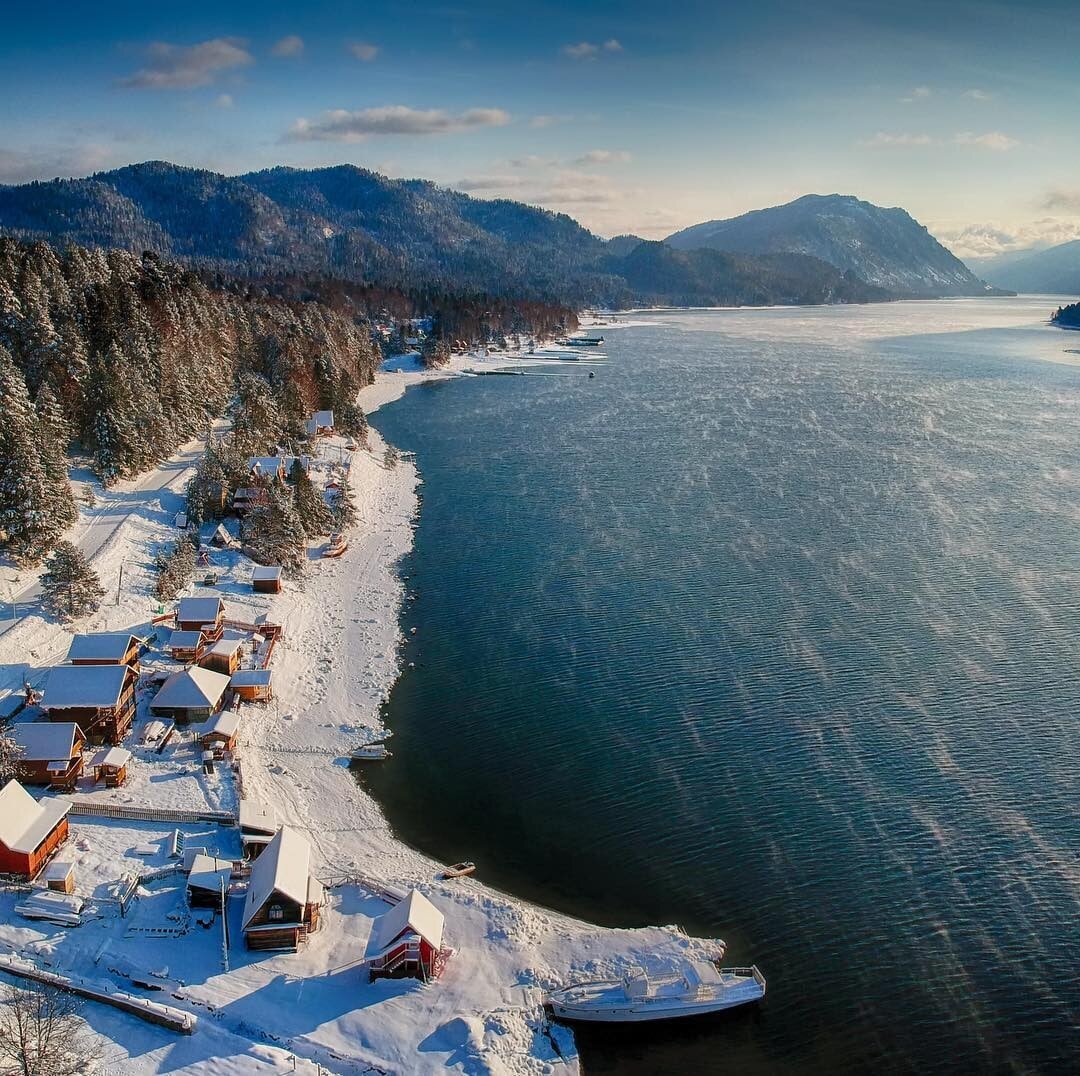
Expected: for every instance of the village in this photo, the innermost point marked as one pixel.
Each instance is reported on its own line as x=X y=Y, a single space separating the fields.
x=186 y=840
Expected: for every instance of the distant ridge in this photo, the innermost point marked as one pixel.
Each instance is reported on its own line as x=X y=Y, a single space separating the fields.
x=1053 y=271
x=886 y=248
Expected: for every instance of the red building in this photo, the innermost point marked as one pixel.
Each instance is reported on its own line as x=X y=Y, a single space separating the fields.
x=406 y=942
x=30 y=830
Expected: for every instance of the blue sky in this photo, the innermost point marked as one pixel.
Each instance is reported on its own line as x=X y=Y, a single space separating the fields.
x=631 y=116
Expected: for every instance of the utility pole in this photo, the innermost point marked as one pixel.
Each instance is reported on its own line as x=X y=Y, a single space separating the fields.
x=119 y=582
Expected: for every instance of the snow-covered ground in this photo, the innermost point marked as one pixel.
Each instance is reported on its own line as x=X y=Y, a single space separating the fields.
x=336 y=662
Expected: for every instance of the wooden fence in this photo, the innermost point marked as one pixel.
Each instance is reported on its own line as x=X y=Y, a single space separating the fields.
x=151 y=814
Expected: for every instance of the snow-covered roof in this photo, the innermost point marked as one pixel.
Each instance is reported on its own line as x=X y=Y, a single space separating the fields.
x=111 y=756
x=199 y=610
x=84 y=685
x=185 y=640
x=101 y=646
x=266 y=571
x=251 y=677
x=284 y=868
x=226 y=647
x=324 y=418
x=223 y=723
x=24 y=821
x=253 y=817
x=191 y=689
x=208 y=872
x=415 y=914
x=45 y=741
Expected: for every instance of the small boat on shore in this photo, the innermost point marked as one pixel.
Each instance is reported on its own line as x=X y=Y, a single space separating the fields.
x=582 y=341
x=336 y=546
x=459 y=870
x=370 y=752
x=700 y=988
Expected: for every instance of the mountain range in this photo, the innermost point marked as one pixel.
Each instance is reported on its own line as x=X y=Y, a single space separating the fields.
x=1053 y=271
x=352 y=224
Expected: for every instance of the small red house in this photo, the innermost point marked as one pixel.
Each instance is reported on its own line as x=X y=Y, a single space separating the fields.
x=49 y=753
x=266 y=578
x=30 y=831
x=224 y=656
x=407 y=941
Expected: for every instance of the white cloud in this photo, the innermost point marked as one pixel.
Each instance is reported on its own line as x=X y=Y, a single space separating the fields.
x=987 y=240
x=920 y=93
x=224 y=100
x=290 y=45
x=612 y=45
x=992 y=140
x=587 y=50
x=885 y=139
x=364 y=50
x=340 y=125
x=549 y=121
x=977 y=95
x=25 y=164
x=604 y=156
x=186 y=67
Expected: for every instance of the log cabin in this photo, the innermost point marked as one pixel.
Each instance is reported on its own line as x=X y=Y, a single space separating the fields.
x=190 y=695
x=100 y=699
x=30 y=831
x=253 y=685
x=284 y=897
x=219 y=733
x=49 y=753
x=201 y=614
x=266 y=579
x=105 y=648
x=186 y=645
x=224 y=656
x=406 y=941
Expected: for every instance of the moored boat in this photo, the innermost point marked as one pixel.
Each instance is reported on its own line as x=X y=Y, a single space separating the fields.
x=459 y=870
x=700 y=988
x=370 y=752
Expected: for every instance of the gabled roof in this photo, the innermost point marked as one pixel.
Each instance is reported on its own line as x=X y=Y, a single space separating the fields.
x=224 y=723
x=185 y=640
x=24 y=821
x=191 y=689
x=251 y=677
x=283 y=868
x=226 y=647
x=208 y=872
x=111 y=756
x=45 y=741
x=415 y=914
x=200 y=610
x=101 y=646
x=84 y=685
x=254 y=818
x=266 y=571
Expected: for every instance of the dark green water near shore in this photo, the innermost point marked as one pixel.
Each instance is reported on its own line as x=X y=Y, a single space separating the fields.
x=771 y=630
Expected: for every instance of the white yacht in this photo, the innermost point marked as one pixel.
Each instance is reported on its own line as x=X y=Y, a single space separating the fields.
x=700 y=988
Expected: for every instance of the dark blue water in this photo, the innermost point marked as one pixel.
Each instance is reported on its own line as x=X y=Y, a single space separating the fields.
x=771 y=630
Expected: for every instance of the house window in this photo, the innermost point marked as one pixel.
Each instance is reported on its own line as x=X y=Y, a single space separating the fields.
x=276 y=912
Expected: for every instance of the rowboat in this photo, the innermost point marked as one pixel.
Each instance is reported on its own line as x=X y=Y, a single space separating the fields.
x=371 y=752
x=459 y=870
x=700 y=988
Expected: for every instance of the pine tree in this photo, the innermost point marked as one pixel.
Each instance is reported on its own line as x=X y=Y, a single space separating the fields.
x=70 y=588
x=277 y=533
x=343 y=507
x=174 y=570
x=35 y=506
x=310 y=506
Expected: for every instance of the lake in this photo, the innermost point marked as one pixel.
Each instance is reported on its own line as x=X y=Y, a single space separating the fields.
x=771 y=630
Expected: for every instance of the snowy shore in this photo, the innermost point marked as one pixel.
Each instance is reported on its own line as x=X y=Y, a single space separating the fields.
x=338 y=659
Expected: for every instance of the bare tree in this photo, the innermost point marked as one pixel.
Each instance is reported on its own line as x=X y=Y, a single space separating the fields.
x=42 y=1034
x=10 y=753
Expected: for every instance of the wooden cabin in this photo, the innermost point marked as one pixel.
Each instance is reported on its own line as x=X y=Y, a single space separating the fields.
x=224 y=656
x=270 y=467
x=406 y=941
x=110 y=765
x=190 y=695
x=105 y=648
x=258 y=828
x=284 y=897
x=208 y=880
x=30 y=831
x=253 y=685
x=201 y=614
x=186 y=646
x=266 y=578
x=219 y=733
x=49 y=753
x=100 y=699
x=321 y=422
x=249 y=497
x=59 y=876
x=221 y=537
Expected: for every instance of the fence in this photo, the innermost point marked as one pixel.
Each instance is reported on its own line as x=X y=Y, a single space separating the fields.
x=151 y=814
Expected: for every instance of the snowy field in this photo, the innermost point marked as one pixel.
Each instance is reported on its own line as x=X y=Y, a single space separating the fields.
x=336 y=662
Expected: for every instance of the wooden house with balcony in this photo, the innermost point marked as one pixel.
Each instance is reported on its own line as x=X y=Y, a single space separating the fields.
x=186 y=646
x=284 y=897
x=224 y=656
x=220 y=732
x=30 y=830
x=100 y=699
x=190 y=695
x=406 y=941
x=201 y=614
x=49 y=753
x=105 y=648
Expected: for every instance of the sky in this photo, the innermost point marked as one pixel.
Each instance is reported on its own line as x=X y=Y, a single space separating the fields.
x=631 y=117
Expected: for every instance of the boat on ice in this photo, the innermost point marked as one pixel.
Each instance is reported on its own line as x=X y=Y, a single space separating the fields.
x=336 y=546
x=582 y=341
x=370 y=752
x=700 y=988
x=459 y=870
